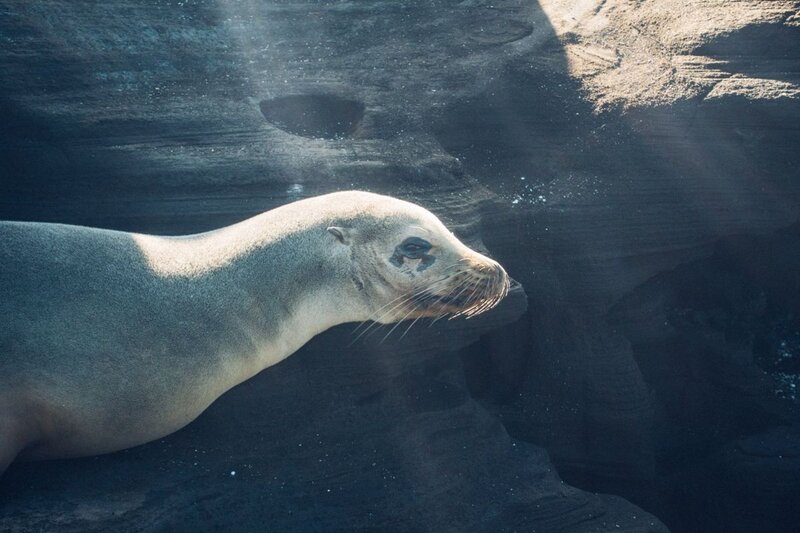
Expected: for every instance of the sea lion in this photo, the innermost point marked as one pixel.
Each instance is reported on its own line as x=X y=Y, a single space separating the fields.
x=111 y=339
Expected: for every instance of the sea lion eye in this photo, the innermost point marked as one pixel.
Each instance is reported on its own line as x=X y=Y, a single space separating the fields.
x=414 y=247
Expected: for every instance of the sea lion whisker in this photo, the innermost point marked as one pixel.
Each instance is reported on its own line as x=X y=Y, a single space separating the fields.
x=423 y=286
x=377 y=324
x=405 y=300
x=379 y=310
x=442 y=307
x=461 y=287
x=377 y=320
x=438 y=318
x=409 y=327
x=467 y=285
x=426 y=286
x=484 y=303
x=496 y=294
x=475 y=302
x=491 y=294
x=483 y=300
x=397 y=325
x=375 y=313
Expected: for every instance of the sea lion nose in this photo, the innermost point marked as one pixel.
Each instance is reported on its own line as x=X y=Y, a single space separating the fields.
x=500 y=279
x=500 y=273
x=495 y=269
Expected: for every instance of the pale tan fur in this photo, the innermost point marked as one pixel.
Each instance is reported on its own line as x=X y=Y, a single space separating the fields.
x=111 y=339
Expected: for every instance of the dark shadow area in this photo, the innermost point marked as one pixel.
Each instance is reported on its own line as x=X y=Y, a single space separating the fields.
x=498 y=133
x=314 y=115
x=716 y=339
x=758 y=51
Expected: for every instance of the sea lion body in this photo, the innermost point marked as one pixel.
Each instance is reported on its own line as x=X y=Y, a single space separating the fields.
x=111 y=339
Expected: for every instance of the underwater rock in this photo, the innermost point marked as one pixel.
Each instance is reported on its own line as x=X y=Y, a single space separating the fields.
x=589 y=147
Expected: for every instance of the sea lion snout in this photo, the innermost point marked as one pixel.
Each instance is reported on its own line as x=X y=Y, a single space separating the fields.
x=476 y=287
x=469 y=284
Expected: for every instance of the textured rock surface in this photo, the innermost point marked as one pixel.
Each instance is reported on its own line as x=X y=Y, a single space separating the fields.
x=636 y=54
x=604 y=152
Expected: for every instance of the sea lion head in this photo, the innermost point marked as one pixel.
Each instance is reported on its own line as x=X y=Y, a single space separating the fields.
x=410 y=265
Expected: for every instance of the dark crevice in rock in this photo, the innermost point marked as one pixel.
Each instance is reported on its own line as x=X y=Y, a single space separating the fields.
x=314 y=115
x=716 y=339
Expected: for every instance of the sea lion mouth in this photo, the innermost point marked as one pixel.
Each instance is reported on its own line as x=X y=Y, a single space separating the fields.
x=469 y=293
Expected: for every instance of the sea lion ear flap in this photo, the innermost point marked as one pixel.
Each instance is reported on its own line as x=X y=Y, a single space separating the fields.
x=343 y=235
